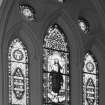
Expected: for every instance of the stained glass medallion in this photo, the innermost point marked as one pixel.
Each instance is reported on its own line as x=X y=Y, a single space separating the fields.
x=90 y=81
x=18 y=74
x=56 y=68
x=27 y=11
x=90 y=67
x=18 y=55
x=83 y=24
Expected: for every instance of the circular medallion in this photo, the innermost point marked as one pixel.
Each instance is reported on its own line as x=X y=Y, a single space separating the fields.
x=90 y=67
x=18 y=55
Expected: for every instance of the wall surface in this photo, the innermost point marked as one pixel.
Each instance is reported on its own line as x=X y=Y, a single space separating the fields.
x=13 y=24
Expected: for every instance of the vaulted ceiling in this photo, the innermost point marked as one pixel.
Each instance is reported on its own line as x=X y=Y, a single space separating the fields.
x=93 y=11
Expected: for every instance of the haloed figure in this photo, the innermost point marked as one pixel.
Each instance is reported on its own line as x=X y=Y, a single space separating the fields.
x=56 y=77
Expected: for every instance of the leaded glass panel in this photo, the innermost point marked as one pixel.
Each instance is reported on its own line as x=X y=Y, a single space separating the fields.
x=90 y=80
x=18 y=74
x=83 y=24
x=27 y=11
x=55 y=38
x=56 y=68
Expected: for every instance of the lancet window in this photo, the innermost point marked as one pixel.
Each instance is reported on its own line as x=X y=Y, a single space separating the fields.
x=18 y=73
x=90 y=80
x=56 y=67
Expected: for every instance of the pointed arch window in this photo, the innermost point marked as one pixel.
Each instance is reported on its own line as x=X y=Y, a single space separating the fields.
x=90 y=80
x=56 y=67
x=18 y=73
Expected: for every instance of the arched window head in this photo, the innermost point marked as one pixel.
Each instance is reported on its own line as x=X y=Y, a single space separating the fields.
x=90 y=80
x=56 y=68
x=18 y=73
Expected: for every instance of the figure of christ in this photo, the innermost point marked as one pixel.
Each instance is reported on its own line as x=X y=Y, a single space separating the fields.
x=56 y=77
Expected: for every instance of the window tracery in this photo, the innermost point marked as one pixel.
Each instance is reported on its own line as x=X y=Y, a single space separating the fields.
x=56 y=68
x=90 y=81
x=18 y=74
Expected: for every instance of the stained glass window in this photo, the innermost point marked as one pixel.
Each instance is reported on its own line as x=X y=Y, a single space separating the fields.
x=90 y=80
x=56 y=68
x=27 y=11
x=83 y=24
x=18 y=73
